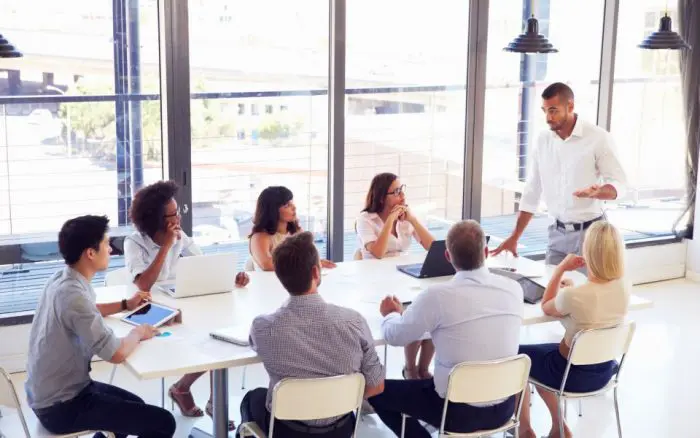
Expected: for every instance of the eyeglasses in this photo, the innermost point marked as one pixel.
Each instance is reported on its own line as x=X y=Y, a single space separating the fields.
x=177 y=213
x=397 y=191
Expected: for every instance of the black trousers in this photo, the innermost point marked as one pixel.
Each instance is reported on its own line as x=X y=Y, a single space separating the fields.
x=253 y=409
x=418 y=399
x=107 y=408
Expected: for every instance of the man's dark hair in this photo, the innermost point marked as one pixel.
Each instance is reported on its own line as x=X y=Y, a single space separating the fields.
x=79 y=234
x=294 y=260
x=148 y=206
x=564 y=92
x=466 y=243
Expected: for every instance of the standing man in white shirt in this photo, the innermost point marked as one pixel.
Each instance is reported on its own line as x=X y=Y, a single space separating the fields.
x=474 y=316
x=574 y=167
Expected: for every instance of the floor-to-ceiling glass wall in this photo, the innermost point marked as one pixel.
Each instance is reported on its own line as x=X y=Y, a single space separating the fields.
x=648 y=122
x=79 y=127
x=405 y=106
x=259 y=114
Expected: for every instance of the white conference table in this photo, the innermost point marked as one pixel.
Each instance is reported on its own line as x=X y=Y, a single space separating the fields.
x=356 y=284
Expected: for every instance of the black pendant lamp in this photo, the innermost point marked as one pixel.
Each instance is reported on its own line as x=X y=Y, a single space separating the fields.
x=7 y=50
x=664 y=38
x=531 y=41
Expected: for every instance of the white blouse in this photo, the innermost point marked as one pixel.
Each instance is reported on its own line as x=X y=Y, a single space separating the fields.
x=369 y=226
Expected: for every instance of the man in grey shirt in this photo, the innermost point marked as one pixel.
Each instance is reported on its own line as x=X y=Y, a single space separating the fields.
x=309 y=338
x=68 y=330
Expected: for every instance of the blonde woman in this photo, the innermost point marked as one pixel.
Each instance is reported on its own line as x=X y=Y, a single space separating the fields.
x=600 y=302
x=385 y=228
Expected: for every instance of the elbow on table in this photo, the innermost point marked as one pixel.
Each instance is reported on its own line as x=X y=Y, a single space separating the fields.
x=118 y=357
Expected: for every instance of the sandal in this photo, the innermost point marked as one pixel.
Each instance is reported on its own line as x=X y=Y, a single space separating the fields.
x=209 y=409
x=175 y=395
x=405 y=374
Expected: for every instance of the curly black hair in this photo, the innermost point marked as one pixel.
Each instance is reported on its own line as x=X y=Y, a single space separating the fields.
x=148 y=206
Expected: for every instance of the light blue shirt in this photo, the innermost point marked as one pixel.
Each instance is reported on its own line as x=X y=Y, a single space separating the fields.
x=475 y=316
x=140 y=251
x=66 y=332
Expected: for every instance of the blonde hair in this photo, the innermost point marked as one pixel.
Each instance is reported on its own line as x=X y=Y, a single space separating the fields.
x=604 y=251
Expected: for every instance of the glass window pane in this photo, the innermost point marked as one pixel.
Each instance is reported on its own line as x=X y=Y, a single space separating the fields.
x=649 y=124
x=246 y=65
x=405 y=107
x=514 y=83
x=68 y=145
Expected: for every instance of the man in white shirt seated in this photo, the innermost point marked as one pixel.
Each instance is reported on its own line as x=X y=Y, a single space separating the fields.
x=475 y=316
x=574 y=169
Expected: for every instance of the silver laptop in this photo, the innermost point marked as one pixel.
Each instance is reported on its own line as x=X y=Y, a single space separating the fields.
x=202 y=275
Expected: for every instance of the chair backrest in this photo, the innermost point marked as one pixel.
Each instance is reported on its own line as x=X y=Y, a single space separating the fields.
x=602 y=344
x=8 y=395
x=313 y=399
x=482 y=382
x=117 y=277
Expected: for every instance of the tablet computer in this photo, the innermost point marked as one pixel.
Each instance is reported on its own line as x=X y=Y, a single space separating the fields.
x=150 y=313
x=532 y=291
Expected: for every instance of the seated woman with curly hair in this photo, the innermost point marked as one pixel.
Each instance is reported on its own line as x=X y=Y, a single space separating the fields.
x=152 y=253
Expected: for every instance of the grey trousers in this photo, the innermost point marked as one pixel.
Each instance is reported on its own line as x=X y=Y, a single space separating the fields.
x=561 y=243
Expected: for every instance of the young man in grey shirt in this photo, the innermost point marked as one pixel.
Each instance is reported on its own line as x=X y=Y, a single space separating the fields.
x=69 y=329
x=309 y=338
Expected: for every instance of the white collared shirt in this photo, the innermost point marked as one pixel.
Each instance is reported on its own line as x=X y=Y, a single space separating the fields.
x=140 y=251
x=559 y=167
x=474 y=316
x=369 y=227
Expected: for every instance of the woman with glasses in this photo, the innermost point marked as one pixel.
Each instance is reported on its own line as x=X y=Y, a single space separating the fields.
x=151 y=254
x=385 y=228
x=275 y=219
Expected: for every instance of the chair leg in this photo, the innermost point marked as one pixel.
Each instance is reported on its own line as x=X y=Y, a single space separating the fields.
x=403 y=425
x=111 y=376
x=580 y=407
x=243 y=378
x=162 y=393
x=561 y=417
x=566 y=408
x=617 y=415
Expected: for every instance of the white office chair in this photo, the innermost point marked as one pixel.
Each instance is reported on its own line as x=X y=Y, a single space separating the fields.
x=323 y=398
x=483 y=382
x=592 y=347
x=31 y=425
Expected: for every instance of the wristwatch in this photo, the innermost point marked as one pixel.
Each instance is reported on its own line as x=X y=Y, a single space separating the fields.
x=124 y=307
